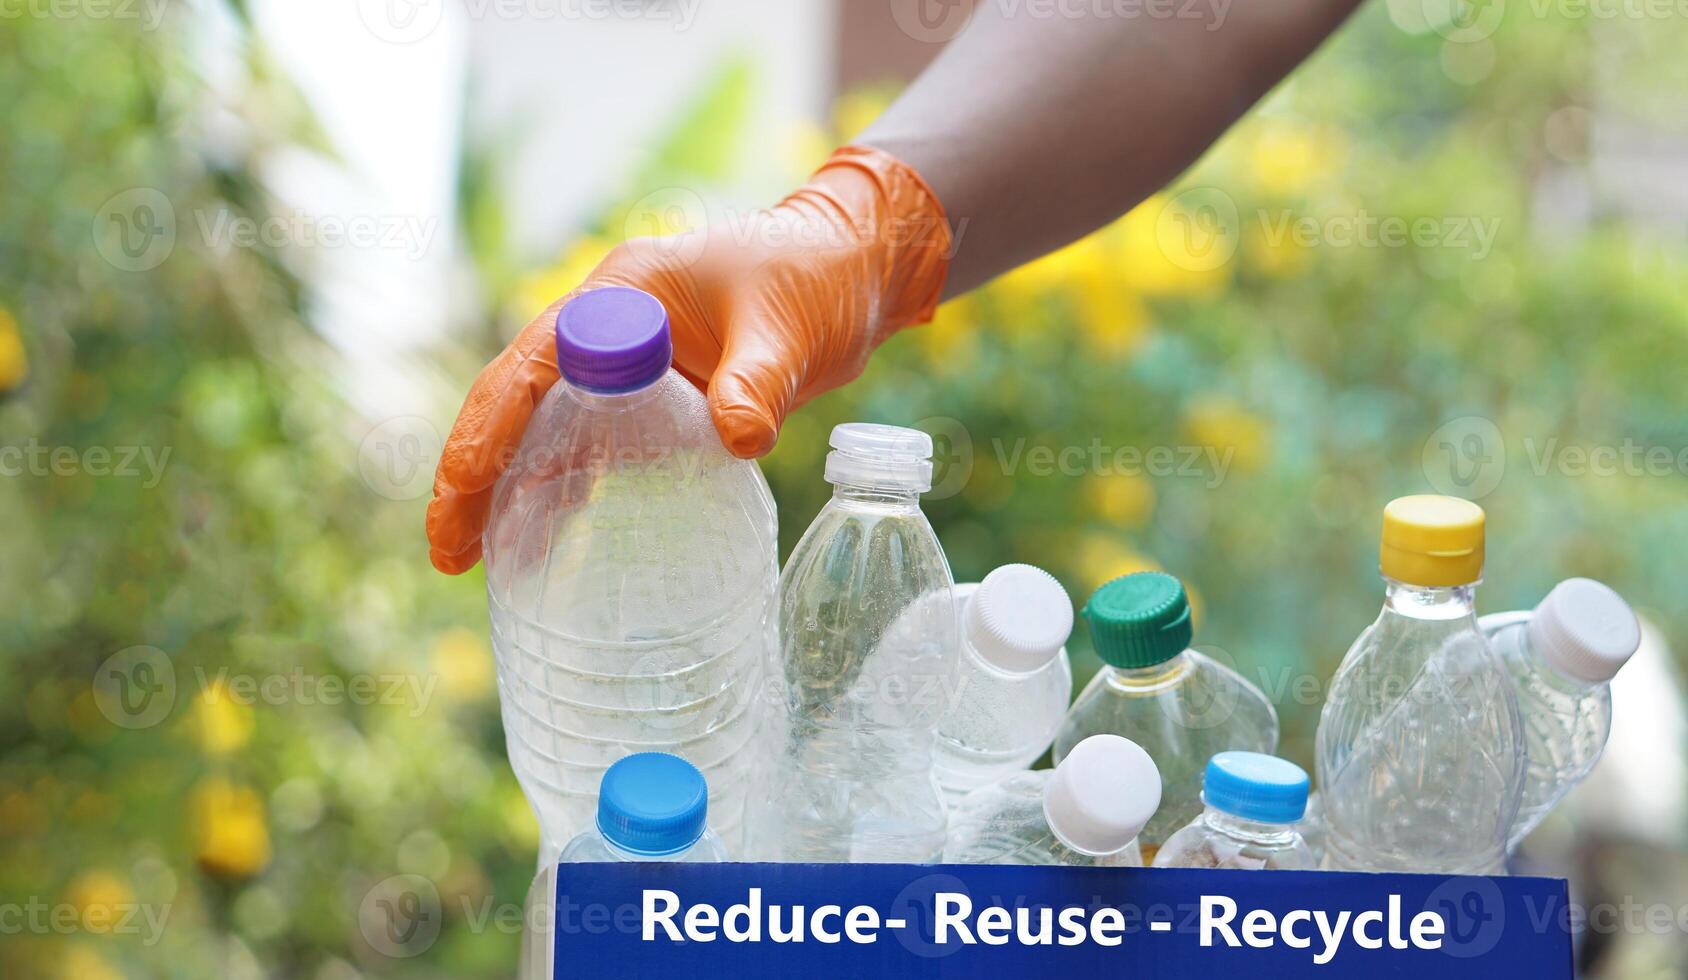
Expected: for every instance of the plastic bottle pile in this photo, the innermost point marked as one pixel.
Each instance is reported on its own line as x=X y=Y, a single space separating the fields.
x=631 y=578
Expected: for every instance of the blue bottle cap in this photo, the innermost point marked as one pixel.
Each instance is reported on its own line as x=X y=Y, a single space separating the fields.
x=1256 y=787
x=652 y=803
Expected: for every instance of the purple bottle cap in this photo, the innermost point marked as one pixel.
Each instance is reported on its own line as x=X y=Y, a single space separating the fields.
x=613 y=339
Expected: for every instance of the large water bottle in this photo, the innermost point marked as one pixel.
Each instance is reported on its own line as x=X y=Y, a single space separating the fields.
x=1182 y=706
x=1015 y=680
x=1086 y=812
x=631 y=564
x=868 y=634
x=1253 y=804
x=1562 y=659
x=1420 y=746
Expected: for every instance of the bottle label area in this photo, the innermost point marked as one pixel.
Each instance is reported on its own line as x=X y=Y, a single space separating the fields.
x=980 y=921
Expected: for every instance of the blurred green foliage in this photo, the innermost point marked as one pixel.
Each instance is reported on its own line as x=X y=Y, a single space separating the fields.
x=1195 y=329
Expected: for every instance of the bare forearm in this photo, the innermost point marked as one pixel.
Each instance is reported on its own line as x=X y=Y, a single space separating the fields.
x=1036 y=130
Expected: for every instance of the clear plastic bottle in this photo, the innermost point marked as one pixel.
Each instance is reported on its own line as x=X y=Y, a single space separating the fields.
x=1562 y=659
x=1253 y=803
x=631 y=563
x=1086 y=812
x=1182 y=706
x=1015 y=679
x=1312 y=827
x=1420 y=745
x=868 y=632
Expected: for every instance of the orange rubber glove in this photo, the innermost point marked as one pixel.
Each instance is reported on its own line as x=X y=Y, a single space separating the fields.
x=769 y=311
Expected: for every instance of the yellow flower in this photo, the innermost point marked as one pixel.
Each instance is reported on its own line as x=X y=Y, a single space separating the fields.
x=539 y=290
x=1070 y=267
x=221 y=724
x=1241 y=437
x=81 y=963
x=1287 y=158
x=1112 y=317
x=233 y=833
x=1277 y=255
x=1102 y=558
x=100 y=898
x=1126 y=500
x=463 y=664
x=1159 y=256
x=14 y=364
x=521 y=828
x=949 y=341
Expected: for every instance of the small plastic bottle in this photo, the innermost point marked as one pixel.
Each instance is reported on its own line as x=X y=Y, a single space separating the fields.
x=1420 y=743
x=1562 y=659
x=1253 y=802
x=1182 y=706
x=867 y=632
x=1015 y=681
x=1086 y=812
x=652 y=806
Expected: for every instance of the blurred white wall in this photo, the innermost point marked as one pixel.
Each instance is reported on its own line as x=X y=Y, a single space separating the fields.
x=572 y=92
x=586 y=97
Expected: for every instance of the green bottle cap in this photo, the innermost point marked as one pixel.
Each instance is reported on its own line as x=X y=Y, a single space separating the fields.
x=1139 y=620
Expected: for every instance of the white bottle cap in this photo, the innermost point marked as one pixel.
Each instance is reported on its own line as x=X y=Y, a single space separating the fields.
x=1584 y=629
x=880 y=456
x=1018 y=618
x=1102 y=794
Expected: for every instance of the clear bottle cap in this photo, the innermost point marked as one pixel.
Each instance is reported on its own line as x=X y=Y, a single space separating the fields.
x=1102 y=795
x=888 y=457
x=1019 y=618
x=1584 y=629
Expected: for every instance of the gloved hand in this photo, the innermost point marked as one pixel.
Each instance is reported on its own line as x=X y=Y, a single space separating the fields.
x=765 y=313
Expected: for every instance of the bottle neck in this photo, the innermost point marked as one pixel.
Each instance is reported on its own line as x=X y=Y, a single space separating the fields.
x=623 y=854
x=613 y=401
x=1154 y=675
x=1539 y=669
x=891 y=498
x=979 y=662
x=1252 y=831
x=1430 y=603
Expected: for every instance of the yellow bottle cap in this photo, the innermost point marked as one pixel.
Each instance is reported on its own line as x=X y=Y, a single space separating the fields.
x=1431 y=540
